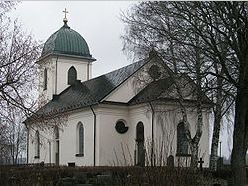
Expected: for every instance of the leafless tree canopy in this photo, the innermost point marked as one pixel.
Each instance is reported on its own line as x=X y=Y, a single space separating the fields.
x=208 y=41
x=18 y=54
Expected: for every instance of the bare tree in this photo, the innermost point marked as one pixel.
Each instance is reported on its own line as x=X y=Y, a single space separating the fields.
x=18 y=70
x=14 y=135
x=146 y=31
x=221 y=27
x=18 y=54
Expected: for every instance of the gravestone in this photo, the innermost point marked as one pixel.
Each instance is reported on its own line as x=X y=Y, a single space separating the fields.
x=170 y=161
x=67 y=181
x=104 y=179
x=71 y=164
x=42 y=164
x=220 y=163
x=81 y=177
x=201 y=163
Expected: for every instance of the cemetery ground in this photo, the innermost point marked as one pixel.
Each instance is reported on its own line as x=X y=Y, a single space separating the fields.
x=51 y=175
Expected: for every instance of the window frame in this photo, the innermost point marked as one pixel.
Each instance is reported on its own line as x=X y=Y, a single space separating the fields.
x=183 y=142
x=37 y=145
x=80 y=140
x=45 y=79
x=71 y=75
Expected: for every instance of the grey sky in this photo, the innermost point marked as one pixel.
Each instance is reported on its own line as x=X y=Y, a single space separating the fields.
x=97 y=21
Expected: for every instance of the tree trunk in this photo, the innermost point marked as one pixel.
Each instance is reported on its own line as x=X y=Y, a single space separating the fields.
x=215 y=143
x=217 y=121
x=239 y=139
x=194 y=155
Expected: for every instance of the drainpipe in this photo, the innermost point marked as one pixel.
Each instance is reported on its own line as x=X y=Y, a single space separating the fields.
x=27 y=141
x=50 y=152
x=152 y=150
x=56 y=74
x=94 y=140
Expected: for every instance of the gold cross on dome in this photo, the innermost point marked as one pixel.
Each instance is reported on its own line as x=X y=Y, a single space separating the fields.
x=65 y=11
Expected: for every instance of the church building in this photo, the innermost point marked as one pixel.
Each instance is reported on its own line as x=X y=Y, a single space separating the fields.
x=120 y=118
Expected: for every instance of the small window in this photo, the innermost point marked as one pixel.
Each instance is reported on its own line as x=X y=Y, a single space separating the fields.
x=154 y=72
x=140 y=132
x=72 y=75
x=37 y=144
x=182 y=141
x=45 y=80
x=56 y=132
x=121 y=127
x=80 y=137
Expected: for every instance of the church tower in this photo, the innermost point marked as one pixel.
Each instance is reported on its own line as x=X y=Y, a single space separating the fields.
x=65 y=58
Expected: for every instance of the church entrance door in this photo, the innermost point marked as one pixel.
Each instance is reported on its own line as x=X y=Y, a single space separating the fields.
x=140 y=151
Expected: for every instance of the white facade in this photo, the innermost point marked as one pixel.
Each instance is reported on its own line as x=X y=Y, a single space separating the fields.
x=57 y=67
x=103 y=145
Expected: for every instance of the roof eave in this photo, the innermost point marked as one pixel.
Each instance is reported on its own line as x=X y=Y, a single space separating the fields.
x=90 y=59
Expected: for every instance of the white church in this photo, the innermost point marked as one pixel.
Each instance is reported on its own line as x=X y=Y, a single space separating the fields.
x=116 y=119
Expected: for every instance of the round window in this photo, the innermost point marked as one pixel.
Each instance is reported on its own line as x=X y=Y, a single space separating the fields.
x=120 y=127
x=154 y=72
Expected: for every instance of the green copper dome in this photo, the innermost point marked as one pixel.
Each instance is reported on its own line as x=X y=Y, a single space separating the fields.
x=68 y=42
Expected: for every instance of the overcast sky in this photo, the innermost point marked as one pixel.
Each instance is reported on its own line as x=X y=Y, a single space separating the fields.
x=97 y=21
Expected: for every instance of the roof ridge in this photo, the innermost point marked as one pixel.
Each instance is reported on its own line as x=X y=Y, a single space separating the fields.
x=142 y=60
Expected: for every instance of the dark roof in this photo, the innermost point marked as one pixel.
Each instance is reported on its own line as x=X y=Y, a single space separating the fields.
x=165 y=89
x=152 y=91
x=83 y=94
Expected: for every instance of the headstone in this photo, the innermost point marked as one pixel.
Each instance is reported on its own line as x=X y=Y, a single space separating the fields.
x=170 y=161
x=201 y=163
x=220 y=163
x=71 y=164
x=67 y=181
x=104 y=179
x=42 y=164
x=81 y=177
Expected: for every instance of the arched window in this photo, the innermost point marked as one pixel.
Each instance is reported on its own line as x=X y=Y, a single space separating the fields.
x=56 y=132
x=72 y=75
x=140 y=132
x=182 y=141
x=45 y=80
x=80 y=131
x=140 y=151
x=37 y=144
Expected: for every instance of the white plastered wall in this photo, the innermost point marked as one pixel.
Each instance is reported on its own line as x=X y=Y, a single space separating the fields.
x=57 y=80
x=45 y=152
x=167 y=117
x=64 y=64
x=45 y=95
x=118 y=149
x=115 y=148
x=67 y=141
